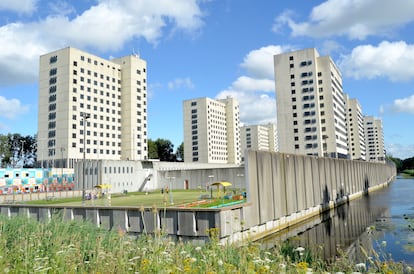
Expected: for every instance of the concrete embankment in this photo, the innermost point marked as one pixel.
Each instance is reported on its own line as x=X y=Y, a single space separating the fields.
x=288 y=189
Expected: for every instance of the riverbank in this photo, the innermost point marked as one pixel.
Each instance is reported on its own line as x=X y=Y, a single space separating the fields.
x=79 y=247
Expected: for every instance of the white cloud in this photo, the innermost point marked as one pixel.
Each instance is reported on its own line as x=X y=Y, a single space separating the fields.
x=106 y=26
x=405 y=105
x=356 y=19
x=402 y=151
x=259 y=63
x=389 y=59
x=255 y=108
x=245 y=83
x=181 y=83
x=11 y=108
x=20 y=6
x=329 y=47
x=61 y=8
x=255 y=91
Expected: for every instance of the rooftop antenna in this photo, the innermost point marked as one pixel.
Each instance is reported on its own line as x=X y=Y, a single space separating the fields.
x=134 y=53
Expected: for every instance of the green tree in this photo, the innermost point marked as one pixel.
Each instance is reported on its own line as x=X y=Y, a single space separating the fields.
x=17 y=150
x=408 y=163
x=179 y=153
x=29 y=150
x=165 y=150
x=5 y=150
x=398 y=162
x=152 y=149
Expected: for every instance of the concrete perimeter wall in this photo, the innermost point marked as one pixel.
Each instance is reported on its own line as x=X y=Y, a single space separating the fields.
x=284 y=189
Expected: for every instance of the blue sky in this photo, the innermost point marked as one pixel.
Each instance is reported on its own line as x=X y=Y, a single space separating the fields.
x=217 y=48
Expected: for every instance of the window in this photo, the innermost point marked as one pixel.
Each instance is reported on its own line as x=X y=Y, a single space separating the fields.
x=53 y=59
x=53 y=71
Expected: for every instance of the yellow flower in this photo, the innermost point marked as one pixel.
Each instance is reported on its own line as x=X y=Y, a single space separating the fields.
x=302 y=265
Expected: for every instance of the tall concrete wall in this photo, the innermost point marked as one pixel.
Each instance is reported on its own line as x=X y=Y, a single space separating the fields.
x=289 y=186
x=282 y=190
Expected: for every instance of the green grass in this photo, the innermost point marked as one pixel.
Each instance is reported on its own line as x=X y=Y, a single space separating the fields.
x=146 y=199
x=27 y=246
x=408 y=173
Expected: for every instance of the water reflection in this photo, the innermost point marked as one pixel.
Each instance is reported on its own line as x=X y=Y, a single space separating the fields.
x=338 y=230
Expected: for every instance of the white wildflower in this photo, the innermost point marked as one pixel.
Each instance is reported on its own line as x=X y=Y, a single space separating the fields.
x=300 y=249
x=361 y=267
x=258 y=261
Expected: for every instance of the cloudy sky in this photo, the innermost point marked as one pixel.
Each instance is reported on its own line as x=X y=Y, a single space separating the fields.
x=216 y=48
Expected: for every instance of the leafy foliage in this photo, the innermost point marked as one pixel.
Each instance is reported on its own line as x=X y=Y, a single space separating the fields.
x=161 y=149
x=180 y=152
x=152 y=149
x=398 y=162
x=17 y=150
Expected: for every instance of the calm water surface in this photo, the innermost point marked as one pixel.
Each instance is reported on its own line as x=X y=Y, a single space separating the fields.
x=383 y=221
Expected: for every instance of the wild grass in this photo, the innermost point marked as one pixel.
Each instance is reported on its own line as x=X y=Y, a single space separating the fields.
x=56 y=246
x=408 y=173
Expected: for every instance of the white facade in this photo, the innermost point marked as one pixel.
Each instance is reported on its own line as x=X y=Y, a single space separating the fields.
x=111 y=94
x=355 y=128
x=211 y=131
x=258 y=137
x=374 y=139
x=310 y=105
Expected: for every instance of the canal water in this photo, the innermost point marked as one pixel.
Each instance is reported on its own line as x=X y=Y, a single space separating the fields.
x=382 y=223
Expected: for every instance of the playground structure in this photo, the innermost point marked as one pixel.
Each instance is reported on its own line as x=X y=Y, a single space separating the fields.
x=31 y=180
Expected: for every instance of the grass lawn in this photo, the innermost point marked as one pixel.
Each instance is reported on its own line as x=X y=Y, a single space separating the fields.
x=137 y=199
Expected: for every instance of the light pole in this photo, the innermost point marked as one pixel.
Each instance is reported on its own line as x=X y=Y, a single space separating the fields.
x=22 y=141
x=62 y=149
x=85 y=116
x=170 y=179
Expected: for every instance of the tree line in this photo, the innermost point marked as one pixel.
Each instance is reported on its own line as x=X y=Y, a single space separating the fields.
x=403 y=164
x=17 y=150
x=163 y=150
